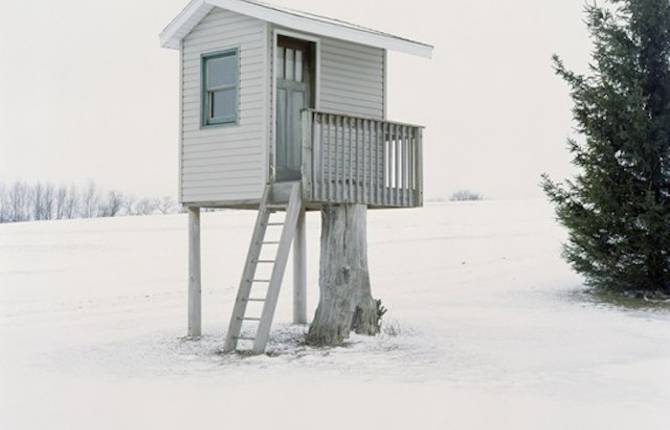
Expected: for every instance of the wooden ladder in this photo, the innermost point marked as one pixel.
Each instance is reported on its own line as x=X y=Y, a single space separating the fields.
x=249 y=281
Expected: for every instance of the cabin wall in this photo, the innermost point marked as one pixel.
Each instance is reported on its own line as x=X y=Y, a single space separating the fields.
x=226 y=163
x=352 y=79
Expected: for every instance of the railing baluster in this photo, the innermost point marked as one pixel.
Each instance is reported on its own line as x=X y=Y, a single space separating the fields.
x=354 y=179
x=405 y=165
x=333 y=161
x=391 y=145
x=324 y=155
x=368 y=189
x=381 y=164
x=401 y=138
x=394 y=166
x=370 y=198
x=419 y=167
x=341 y=160
x=363 y=189
x=342 y=197
x=321 y=158
x=387 y=164
x=411 y=165
x=400 y=164
x=351 y=161
x=361 y=173
x=339 y=154
x=316 y=150
x=391 y=164
x=357 y=168
x=330 y=161
x=359 y=184
x=338 y=132
x=403 y=159
x=307 y=151
x=375 y=165
x=381 y=160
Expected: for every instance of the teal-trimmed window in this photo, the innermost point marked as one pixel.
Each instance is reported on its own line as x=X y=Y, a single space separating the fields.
x=220 y=87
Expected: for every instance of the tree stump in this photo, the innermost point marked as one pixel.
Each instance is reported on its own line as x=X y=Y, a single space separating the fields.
x=346 y=301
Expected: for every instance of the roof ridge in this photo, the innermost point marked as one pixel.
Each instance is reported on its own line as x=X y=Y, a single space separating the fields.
x=327 y=19
x=299 y=20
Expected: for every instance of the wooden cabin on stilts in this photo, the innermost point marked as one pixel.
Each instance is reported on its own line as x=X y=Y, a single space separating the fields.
x=283 y=112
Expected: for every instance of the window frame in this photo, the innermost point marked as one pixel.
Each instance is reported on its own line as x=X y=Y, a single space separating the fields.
x=206 y=94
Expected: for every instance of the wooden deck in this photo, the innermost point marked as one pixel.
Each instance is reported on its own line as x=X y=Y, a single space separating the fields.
x=349 y=159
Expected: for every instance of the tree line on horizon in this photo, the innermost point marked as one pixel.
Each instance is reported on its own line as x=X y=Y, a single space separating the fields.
x=22 y=201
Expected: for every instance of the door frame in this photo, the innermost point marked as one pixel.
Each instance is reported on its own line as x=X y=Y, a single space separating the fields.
x=317 y=81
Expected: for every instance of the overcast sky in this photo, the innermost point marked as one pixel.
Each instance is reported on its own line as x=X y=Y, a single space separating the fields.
x=87 y=93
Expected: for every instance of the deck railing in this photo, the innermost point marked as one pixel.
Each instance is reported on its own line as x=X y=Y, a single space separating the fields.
x=349 y=159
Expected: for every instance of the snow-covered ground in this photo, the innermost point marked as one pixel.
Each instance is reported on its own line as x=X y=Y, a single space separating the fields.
x=488 y=328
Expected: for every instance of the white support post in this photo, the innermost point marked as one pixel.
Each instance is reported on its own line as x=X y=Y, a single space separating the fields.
x=300 y=272
x=194 y=280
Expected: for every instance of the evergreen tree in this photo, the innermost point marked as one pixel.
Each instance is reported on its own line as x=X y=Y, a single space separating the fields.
x=617 y=208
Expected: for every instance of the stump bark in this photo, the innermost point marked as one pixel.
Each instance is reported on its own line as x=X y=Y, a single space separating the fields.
x=346 y=301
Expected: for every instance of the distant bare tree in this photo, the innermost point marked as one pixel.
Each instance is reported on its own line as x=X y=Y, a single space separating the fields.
x=59 y=202
x=466 y=196
x=90 y=202
x=129 y=205
x=48 y=197
x=71 y=203
x=112 y=205
x=36 y=202
x=3 y=204
x=147 y=206
x=167 y=205
x=19 y=202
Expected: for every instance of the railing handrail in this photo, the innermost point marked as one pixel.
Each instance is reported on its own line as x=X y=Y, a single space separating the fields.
x=363 y=117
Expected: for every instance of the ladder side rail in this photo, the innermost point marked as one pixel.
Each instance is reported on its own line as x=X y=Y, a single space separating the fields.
x=288 y=232
x=244 y=289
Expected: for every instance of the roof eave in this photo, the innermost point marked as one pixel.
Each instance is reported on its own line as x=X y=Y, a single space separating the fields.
x=172 y=35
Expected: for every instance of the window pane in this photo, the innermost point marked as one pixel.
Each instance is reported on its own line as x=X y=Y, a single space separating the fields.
x=224 y=104
x=280 y=62
x=221 y=71
x=289 y=64
x=298 y=66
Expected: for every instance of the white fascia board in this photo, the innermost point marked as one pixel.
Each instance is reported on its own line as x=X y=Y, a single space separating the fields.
x=173 y=33
x=171 y=36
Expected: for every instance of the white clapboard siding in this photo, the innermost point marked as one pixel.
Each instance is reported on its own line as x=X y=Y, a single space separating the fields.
x=352 y=79
x=225 y=164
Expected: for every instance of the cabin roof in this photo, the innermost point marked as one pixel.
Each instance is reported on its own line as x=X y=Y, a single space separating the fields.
x=196 y=10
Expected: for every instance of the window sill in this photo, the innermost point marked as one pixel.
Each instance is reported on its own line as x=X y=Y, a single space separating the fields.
x=219 y=125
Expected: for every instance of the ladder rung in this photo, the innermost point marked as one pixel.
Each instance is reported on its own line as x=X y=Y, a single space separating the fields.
x=255 y=300
x=271 y=243
x=265 y=261
x=277 y=206
x=261 y=281
x=244 y=338
x=274 y=224
x=249 y=319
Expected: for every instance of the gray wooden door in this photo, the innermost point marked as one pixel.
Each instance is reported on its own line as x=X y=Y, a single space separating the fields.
x=293 y=95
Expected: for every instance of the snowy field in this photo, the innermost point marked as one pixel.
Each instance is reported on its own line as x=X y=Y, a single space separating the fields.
x=488 y=328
